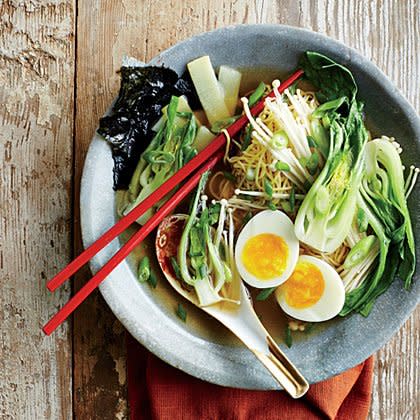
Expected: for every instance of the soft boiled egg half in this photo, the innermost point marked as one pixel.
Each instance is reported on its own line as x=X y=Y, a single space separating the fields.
x=267 y=249
x=314 y=292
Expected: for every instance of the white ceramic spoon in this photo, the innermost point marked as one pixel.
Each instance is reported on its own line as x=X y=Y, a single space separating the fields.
x=240 y=319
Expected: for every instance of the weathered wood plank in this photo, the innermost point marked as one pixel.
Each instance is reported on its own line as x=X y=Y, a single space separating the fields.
x=384 y=31
x=36 y=138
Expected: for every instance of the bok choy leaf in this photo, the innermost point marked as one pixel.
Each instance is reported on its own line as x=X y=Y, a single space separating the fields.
x=325 y=216
x=202 y=258
x=382 y=199
x=170 y=149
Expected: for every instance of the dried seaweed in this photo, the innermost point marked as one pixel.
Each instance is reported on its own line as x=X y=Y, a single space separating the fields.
x=143 y=93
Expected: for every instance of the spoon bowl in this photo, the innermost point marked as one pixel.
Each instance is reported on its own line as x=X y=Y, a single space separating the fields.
x=240 y=319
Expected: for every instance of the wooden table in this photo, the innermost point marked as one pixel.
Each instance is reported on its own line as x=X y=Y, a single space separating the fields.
x=58 y=62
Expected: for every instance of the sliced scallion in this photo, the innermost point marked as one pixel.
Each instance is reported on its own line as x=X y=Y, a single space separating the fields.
x=256 y=95
x=265 y=293
x=144 y=270
x=268 y=188
x=181 y=312
x=282 y=166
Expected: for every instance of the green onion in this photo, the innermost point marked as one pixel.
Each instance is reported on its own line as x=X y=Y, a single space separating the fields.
x=312 y=163
x=279 y=139
x=292 y=88
x=189 y=153
x=288 y=337
x=152 y=280
x=292 y=200
x=219 y=126
x=144 y=270
x=247 y=217
x=256 y=95
x=286 y=207
x=359 y=252
x=282 y=166
x=311 y=142
x=265 y=293
x=176 y=268
x=203 y=270
x=268 y=188
x=158 y=156
x=362 y=220
x=229 y=176
x=181 y=312
x=303 y=161
x=271 y=205
x=214 y=213
x=247 y=138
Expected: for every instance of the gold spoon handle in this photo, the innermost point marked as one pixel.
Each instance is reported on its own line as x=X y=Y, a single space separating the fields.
x=282 y=369
x=245 y=324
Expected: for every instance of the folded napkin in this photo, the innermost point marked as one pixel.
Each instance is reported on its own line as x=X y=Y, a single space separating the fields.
x=159 y=391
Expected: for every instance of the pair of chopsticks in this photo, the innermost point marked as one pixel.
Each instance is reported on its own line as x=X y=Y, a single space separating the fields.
x=197 y=166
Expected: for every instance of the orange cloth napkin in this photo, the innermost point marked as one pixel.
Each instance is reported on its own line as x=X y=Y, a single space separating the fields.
x=157 y=391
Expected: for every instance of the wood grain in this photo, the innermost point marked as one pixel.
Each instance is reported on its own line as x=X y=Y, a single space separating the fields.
x=41 y=74
x=378 y=29
x=36 y=116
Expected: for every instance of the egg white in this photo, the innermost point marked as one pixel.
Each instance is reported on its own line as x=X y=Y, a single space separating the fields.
x=276 y=223
x=331 y=301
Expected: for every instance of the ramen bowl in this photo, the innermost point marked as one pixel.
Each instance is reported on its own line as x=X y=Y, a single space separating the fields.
x=200 y=346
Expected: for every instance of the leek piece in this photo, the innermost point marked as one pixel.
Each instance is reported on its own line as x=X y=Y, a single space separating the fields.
x=208 y=89
x=230 y=79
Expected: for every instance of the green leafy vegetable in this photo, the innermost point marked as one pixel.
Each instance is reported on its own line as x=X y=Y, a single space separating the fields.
x=333 y=80
x=382 y=199
x=256 y=95
x=170 y=149
x=202 y=264
x=282 y=166
x=175 y=267
x=247 y=137
x=221 y=125
x=362 y=221
x=271 y=205
x=229 y=176
x=292 y=199
x=181 y=312
x=325 y=216
x=152 y=280
x=360 y=251
x=265 y=293
x=144 y=270
x=288 y=339
x=268 y=188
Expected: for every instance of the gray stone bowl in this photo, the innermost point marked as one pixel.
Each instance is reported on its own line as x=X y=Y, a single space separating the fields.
x=206 y=354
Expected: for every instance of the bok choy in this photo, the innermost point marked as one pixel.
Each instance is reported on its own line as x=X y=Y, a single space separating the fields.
x=205 y=254
x=171 y=147
x=382 y=198
x=326 y=214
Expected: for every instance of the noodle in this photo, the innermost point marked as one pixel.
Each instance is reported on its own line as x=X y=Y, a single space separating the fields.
x=252 y=166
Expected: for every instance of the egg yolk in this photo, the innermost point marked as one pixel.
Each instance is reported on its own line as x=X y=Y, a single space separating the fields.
x=265 y=256
x=304 y=287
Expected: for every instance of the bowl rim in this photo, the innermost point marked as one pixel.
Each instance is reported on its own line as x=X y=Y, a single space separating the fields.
x=118 y=301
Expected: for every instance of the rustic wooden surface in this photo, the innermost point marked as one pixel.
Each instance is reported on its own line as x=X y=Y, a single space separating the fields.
x=55 y=54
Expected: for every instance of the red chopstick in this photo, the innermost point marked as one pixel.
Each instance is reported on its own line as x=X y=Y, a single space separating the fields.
x=160 y=192
x=126 y=249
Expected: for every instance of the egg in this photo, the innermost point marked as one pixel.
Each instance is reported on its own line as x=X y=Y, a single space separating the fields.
x=314 y=292
x=267 y=249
